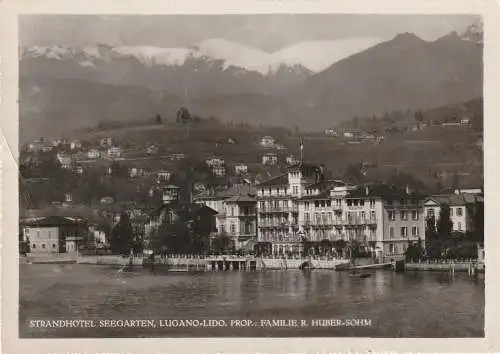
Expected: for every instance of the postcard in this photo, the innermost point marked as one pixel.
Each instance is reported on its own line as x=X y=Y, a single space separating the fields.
x=249 y=177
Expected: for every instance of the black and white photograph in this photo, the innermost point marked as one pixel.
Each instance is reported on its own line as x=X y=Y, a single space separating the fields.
x=251 y=175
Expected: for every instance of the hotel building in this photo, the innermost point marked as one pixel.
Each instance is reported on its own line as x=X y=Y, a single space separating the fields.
x=302 y=206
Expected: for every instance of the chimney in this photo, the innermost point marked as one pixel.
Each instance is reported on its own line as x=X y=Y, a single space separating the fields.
x=408 y=190
x=367 y=190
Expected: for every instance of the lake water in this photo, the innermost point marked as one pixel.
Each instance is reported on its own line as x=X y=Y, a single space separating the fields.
x=386 y=304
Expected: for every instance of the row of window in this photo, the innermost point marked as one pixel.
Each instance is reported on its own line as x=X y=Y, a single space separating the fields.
x=247 y=229
x=404 y=231
x=349 y=216
x=393 y=249
x=403 y=215
x=243 y=211
x=43 y=246
x=459 y=212
x=403 y=201
x=50 y=235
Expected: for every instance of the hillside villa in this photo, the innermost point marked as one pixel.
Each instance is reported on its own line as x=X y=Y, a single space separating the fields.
x=267 y=141
x=241 y=168
x=270 y=159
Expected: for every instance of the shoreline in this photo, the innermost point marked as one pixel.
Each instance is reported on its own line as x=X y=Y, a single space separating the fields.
x=247 y=264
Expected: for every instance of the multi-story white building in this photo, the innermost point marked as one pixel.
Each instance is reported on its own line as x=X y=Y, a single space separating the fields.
x=462 y=209
x=236 y=212
x=301 y=206
x=278 y=207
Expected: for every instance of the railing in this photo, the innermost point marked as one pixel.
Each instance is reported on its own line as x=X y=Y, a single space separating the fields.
x=278 y=209
x=274 y=224
x=355 y=221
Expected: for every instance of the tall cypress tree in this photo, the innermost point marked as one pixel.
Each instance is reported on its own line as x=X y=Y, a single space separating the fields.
x=444 y=224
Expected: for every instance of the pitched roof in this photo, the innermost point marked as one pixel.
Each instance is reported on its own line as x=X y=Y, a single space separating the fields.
x=382 y=190
x=322 y=195
x=327 y=184
x=275 y=181
x=52 y=221
x=184 y=208
x=227 y=192
x=454 y=199
x=241 y=198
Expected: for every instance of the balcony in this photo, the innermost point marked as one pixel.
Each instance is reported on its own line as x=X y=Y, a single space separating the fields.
x=274 y=224
x=360 y=221
x=278 y=209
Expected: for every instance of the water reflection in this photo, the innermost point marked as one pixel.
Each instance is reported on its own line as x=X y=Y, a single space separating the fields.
x=410 y=304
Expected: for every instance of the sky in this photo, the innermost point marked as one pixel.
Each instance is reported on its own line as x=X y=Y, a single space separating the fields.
x=266 y=32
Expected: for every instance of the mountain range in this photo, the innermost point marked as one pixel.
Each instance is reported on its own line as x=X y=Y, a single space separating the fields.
x=310 y=84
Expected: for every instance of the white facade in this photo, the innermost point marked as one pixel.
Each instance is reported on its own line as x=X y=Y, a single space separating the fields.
x=267 y=142
x=291 y=160
x=241 y=168
x=136 y=172
x=65 y=160
x=219 y=171
x=295 y=206
x=94 y=154
x=236 y=216
x=114 y=151
x=75 y=145
x=461 y=210
x=215 y=162
x=106 y=141
x=163 y=176
x=270 y=159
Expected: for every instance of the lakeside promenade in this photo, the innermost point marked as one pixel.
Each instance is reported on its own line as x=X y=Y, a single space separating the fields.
x=245 y=263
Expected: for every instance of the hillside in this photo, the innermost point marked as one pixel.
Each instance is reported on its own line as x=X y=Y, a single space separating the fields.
x=58 y=93
x=404 y=73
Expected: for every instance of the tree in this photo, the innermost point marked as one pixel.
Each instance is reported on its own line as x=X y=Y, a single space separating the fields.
x=456 y=182
x=414 y=252
x=433 y=244
x=183 y=116
x=353 y=173
x=340 y=246
x=478 y=221
x=430 y=228
x=325 y=246
x=419 y=117
x=444 y=224
x=122 y=237
x=221 y=243
x=158 y=119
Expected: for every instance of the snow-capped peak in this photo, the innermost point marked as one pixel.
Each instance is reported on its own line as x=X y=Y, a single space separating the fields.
x=312 y=55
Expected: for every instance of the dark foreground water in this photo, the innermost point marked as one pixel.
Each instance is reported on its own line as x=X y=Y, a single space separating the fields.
x=387 y=304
